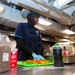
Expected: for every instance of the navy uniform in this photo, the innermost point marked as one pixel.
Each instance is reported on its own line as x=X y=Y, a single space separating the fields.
x=28 y=39
x=31 y=37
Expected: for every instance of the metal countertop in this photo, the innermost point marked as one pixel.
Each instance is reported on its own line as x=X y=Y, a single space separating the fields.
x=49 y=70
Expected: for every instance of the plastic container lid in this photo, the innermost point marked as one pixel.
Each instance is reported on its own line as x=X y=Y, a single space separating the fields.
x=56 y=45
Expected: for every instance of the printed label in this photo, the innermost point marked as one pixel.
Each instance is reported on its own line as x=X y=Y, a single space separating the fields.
x=66 y=53
x=5 y=57
x=13 y=58
x=13 y=51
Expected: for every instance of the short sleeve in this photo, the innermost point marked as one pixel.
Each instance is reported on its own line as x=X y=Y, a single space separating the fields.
x=19 y=31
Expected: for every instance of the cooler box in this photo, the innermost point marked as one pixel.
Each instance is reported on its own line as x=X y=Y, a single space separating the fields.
x=4 y=58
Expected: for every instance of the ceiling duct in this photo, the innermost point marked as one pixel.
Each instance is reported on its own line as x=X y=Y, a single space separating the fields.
x=41 y=7
x=5 y=28
x=24 y=13
x=46 y=10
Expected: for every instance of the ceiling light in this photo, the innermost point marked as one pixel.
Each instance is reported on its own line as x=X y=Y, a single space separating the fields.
x=45 y=39
x=69 y=42
x=11 y=34
x=44 y=21
x=7 y=39
x=1 y=9
x=61 y=3
x=67 y=31
x=39 y=27
x=64 y=40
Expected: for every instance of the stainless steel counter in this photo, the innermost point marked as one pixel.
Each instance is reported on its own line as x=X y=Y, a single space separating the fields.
x=69 y=59
x=50 y=70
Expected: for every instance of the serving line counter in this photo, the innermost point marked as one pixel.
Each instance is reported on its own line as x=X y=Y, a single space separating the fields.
x=45 y=70
x=69 y=59
x=48 y=70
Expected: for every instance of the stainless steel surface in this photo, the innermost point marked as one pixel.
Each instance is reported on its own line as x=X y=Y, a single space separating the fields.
x=69 y=59
x=50 y=70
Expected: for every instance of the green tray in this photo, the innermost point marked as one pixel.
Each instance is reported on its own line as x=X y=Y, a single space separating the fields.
x=21 y=63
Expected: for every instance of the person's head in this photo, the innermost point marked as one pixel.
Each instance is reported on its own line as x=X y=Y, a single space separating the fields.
x=33 y=18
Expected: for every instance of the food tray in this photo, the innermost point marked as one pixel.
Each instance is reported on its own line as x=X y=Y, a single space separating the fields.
x=25 y=64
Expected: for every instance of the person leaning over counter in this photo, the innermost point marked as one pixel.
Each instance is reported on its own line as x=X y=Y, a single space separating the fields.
x=28 y=40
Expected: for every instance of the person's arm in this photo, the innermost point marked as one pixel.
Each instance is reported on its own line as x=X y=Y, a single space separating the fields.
x=27 y=50
x=40 y=46
x=22 y=46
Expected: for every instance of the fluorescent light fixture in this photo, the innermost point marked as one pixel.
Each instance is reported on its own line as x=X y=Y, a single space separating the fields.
x=60 y=3
x=44 y=21
x=11 y=34
x=69 y=42
x=45 y=39
x=67 y=31
x=39 y=27
x=7 y=39
x=63 y=2
x=64 y=40
x=1 y=9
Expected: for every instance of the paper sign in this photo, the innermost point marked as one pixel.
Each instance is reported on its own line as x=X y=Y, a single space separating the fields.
x=66 y=53
x=5 y=57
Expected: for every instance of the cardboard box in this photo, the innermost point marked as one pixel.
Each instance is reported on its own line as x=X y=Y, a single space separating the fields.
x=4 y=58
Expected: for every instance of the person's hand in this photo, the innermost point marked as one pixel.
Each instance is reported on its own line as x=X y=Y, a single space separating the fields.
x=41 y=57
x=37 y=57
